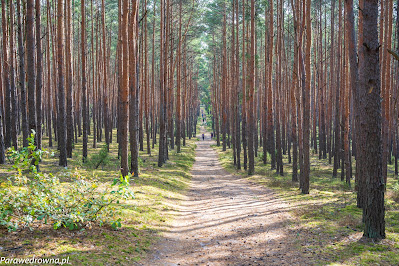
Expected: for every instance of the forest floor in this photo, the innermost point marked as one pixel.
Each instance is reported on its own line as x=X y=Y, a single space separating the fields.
x=156 y=190
x=227 y=220
x=198 y=209
x=327 y=223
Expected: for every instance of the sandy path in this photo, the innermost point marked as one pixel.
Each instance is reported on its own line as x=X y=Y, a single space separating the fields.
x=225 y=220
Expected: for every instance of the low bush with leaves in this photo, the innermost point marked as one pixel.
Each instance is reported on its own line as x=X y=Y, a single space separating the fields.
x=395 y=192
x=31 y=196
x=102 y=158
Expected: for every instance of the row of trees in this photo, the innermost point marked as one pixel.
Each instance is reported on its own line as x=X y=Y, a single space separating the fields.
x=71 y=69
x=301 y=77
x=286 y=75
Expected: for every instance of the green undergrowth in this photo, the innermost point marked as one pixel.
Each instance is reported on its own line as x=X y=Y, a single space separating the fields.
x=327 y=222
x=156 y=190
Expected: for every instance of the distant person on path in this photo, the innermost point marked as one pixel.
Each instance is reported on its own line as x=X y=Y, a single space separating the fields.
x=203 y=136
x=211 y=135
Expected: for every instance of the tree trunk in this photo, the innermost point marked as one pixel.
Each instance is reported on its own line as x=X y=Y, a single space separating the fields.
x=306 y=102
x=13 y=94
x=69 y=81
x=21 y=52
x=39 y=78
x=30 y=57
x=84 y=89
x=6 y=72
x=61 y=136
x=124 y=89
x=134 y=90
x=337 y=122
x=270 y=119
x=370 y=124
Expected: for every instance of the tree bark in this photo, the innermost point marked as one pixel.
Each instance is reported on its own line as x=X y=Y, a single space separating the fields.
x=61 y=136
x=370 y=124
x=39 y=77
x=134 y=90
x=84 y=89
x=6 y=74
x=105 y=81
x=124 y=89
x=30 y=58
x=251 y=83
x=21 y=52
x=270 y=119
x=69 y=81
x=306 y=102
x=13 y=93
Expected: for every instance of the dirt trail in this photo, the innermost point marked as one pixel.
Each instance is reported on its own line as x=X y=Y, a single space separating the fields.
x=226 y=220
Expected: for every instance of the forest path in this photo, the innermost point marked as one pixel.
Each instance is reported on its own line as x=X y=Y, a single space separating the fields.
x=226 y=220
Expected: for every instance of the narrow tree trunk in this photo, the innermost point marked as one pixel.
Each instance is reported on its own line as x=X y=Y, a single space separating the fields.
x=94 y=84
x=270 y=119
x=134 y=90
x=6 y=71
x=251 y=83
x=84 y=89
x=61 y=136
x=337 y=122
x=146 y=84
x=306 y=102
x=69 y=81
x=30 y=57
x=13 y=94
x=244 y=104
x=162 y=95
x=178 y=85
x=124 y=89
x=21 y=53
x=105 y=82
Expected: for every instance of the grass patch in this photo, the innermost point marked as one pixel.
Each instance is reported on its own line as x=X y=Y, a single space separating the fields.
x=156 y=192
x=328 y=223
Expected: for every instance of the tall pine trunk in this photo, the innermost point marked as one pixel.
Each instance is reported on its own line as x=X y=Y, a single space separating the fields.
x=83 y=77
x=6 y=72
x=370 y=124
x=30 y=58
x=13 y=93
x=61 y=118
x=134 y=90
x=123 y=91
x=69 y=81
x=39 y=77
x=21 y=53
x=251 y=83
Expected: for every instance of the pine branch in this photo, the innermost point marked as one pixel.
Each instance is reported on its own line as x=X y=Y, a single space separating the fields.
x=395 y=55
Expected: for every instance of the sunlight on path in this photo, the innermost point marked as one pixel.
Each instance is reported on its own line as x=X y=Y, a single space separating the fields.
x=226 y=221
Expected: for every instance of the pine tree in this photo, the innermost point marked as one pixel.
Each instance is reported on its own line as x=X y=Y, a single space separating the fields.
x=61 y=117
x=370 y=124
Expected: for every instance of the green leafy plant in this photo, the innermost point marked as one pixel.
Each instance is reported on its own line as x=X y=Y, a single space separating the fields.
x=31 y=196
x=395 y=192
x=102 y=158
x=261 y=154
x=27 y=158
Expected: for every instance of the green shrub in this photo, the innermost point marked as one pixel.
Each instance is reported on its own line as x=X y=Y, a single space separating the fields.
x=31 y=196
x=102 y=158
x=395 y=192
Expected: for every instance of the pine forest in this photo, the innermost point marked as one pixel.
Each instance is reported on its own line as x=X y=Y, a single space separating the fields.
x=199 y=132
